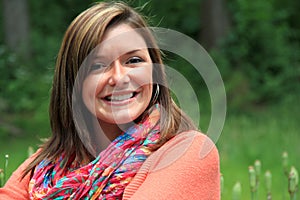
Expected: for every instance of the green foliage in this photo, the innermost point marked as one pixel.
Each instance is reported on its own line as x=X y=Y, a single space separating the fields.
x=181 y=20
x=2 y=181
x=258 y=60
x=17 y=83
x=268 y=184
x=25 y=84
x=293 y=182
x=23 y=95
x=254 y=176
x=237 y=191
x=258 y=57
x=260 y=134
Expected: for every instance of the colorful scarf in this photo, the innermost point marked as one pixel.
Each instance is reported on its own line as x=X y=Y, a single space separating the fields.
x=104 y=178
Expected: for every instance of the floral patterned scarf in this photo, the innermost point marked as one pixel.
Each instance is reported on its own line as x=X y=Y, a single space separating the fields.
x=105 y=177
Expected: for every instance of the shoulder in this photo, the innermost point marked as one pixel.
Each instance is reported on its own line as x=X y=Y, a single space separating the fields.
x=187 y=149
x=185 y=167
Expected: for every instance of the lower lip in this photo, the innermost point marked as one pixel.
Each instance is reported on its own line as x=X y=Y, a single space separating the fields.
x=121 y=103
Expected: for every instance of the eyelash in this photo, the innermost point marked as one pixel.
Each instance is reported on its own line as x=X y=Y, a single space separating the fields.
x=132 y=60
x=135 y=60
x=98 y=66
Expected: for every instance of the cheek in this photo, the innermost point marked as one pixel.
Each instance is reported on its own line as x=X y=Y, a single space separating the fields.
x=89 y=88
x=142 y=76
x=147 y=93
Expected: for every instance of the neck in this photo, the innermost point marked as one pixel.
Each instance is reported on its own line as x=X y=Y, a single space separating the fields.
x=111 y=131
x=104 y=133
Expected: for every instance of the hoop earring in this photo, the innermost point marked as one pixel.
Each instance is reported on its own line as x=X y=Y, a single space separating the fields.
x=155 y=96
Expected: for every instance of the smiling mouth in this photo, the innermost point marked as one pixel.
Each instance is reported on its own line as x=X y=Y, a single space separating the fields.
x=123 y=97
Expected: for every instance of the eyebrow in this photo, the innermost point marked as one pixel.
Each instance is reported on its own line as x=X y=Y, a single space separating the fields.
x=134 y=51
x=127 y=53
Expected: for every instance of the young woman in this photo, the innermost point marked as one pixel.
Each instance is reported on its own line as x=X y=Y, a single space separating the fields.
x=109 y=85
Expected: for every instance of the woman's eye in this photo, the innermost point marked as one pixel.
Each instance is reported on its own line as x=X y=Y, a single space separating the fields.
x=98 y=66
x=134 y=60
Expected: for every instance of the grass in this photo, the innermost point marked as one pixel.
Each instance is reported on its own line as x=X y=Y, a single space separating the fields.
x=16 y=148
x=262 y=134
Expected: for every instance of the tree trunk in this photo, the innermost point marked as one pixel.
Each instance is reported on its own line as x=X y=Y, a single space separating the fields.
x=214 y=23
x=16 y=26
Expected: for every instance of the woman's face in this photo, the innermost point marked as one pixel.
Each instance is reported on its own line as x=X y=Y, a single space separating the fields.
x=118 y=88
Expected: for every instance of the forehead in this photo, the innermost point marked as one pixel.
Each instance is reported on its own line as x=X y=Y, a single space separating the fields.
x=119 y=40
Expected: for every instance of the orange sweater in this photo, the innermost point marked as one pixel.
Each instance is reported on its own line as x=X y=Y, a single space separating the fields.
x=186 y=167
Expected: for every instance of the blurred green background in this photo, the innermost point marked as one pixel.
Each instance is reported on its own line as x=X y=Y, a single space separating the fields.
x=255 y=44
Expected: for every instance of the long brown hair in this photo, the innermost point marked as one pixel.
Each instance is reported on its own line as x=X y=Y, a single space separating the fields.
x=81 y=37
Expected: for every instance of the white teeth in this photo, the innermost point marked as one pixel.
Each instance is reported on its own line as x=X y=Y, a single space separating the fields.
x=120 y=97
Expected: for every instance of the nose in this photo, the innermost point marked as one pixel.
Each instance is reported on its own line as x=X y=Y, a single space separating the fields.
x=118 y=75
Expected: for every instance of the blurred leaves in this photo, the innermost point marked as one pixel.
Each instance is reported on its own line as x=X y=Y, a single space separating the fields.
x=258 y=59
x=261 y=48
